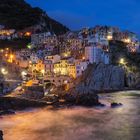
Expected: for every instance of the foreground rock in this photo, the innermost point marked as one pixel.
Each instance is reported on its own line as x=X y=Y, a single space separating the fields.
x=113 y=105
x=7 y=112
x=1 y=135
x=88 y=99
x=71 y=99
x=12 y=103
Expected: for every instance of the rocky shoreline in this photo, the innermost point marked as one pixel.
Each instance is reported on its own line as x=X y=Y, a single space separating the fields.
x=8 y=105
x=19 y=103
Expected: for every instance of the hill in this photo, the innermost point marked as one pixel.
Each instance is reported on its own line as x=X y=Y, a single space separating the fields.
x=19 y=15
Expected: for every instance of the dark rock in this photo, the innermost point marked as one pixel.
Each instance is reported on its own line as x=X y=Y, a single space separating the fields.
x=88 y=99
x=1 y=135
x=13 y=103
x=101 y=105
x=7 y=112
x=116 y=104
x=51 y=99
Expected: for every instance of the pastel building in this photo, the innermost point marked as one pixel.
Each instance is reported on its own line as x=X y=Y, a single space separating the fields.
x=40 y=66
x=77 y=69
x=34 y=58
x=70 y=68
x=49 y=63
x=96 y=55
x=53 y=58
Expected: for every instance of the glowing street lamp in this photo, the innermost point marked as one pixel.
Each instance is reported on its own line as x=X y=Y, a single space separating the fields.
x=65 y=54
x=6 y=55
x=109 y=37
x=1 y=50
x=122 y=61
x=3 y=71
x=29 y=46
x=127 y=40
x=83 y=58
x=43 y=71
x=23 y=73
x=11 y=56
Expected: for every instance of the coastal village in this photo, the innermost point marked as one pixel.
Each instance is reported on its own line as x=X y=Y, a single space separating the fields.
x=53 y=61
x=69 y=70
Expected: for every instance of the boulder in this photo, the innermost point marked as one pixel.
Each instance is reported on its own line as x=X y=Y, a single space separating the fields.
x=115 y=104
x=87 y=99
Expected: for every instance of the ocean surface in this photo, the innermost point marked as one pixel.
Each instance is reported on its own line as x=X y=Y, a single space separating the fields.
x=78 y=123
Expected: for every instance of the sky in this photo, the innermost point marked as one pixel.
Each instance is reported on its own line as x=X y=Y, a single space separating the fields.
x=77 y=14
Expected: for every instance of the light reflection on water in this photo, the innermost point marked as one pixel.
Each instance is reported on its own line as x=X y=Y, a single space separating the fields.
x=78 y=123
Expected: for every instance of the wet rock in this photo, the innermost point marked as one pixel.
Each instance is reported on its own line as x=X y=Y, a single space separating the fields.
x=13 y=103
x=101 y=105
x=7 y=112
x=87 y=99
x=115 y=104
x=1 y=135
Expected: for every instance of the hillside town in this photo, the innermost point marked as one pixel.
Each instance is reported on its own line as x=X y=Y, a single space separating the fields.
x=61 y=59
x=69 y=70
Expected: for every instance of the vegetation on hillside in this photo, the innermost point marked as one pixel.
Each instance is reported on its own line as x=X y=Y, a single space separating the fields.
x=18 y=14
x=118 y=50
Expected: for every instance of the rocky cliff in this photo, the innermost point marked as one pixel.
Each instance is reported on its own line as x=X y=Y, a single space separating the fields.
x=101 y=78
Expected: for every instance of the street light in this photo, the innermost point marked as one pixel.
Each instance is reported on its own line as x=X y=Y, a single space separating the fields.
x=3 y=71
x=43 y=71
x=23 y=73
x=1 y=50
x=109 y=37
x=29 y=46
x=122 y=61
x=11 y=56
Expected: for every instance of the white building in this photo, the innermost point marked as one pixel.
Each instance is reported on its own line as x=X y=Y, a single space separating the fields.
x=34 y=58
x=53 y=58
x=80 y=66
x=96 y=55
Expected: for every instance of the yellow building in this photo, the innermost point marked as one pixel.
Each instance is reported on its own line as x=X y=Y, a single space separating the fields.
x=72 y=70
x=61 y=68
x=40 y=66
x=7 y=32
